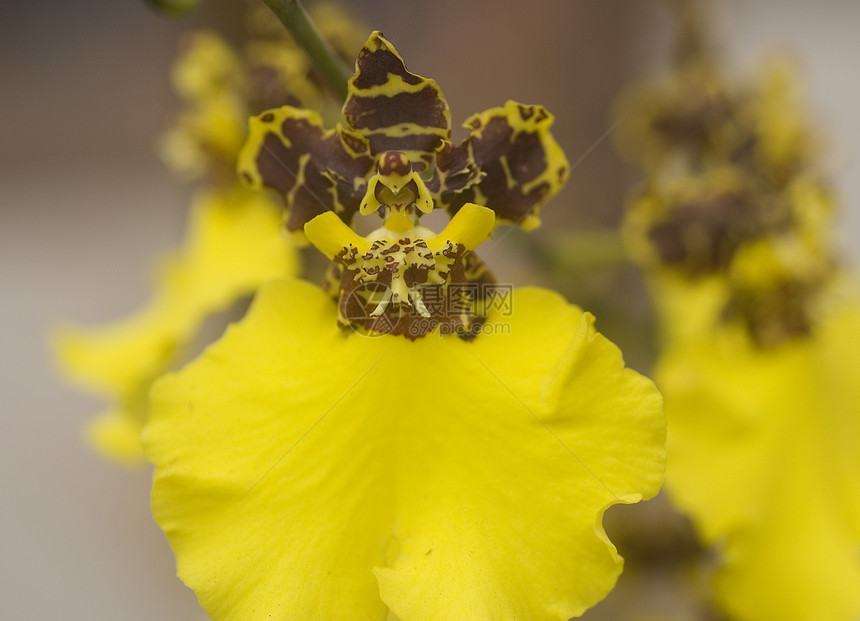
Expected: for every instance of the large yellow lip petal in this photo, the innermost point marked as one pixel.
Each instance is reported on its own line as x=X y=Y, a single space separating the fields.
x=304 y=471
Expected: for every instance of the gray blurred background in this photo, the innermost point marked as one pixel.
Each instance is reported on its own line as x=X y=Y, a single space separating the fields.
x=85 y=206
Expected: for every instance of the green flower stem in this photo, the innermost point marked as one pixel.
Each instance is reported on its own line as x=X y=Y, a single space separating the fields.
x=585 y=250
x=294 y=16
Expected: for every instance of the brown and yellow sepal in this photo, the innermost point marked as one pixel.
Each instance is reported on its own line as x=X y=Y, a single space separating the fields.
x=316 y=169
x=509 y=163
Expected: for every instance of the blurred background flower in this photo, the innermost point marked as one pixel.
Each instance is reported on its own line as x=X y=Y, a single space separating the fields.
x=86 y=205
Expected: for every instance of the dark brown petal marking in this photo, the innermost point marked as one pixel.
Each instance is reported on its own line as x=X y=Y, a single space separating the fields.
x=394 y=162
x=416 y=275
x=449 y=284
x=354 y=143
x=702 y=236
x=419 y=147
x=421 y=108
x=394 y=109
x=478 y=272
x=693 y=123
x=502 y=183
x=521 y=164
x=455 y=171
x=373 y=67
x=779 y=313
x=315 y=169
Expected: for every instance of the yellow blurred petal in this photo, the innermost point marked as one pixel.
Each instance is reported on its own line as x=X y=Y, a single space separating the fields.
x=209 y=134
x=114 y=359
x=116 y=434
x=763 y=455
x=207 y=67
x=181 y=151
x=233 y=245
x=777 y=115
x=688 y=109
x=304 y=471
x=211 y=79
x=686 y=310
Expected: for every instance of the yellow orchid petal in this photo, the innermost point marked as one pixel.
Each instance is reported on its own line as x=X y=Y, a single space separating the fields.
x=116 y=434
x=777 y=113
x=760 y=366
x=763 y=455
x=309 y=472
x=470 y=226
x=209 y=77
x=688 y=110
x=686 y=309
x=111 y=360
x=233 y=245
x=330 y=235
x=206 y=68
